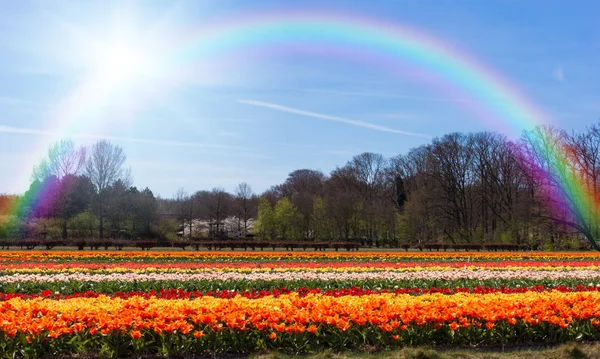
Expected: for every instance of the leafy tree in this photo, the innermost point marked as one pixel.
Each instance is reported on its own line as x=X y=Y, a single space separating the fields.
x=143 y=210
x=320 y=220
x=287 y=219
x=265 y=224
x=40 y=199
x=75 y=195
x=9 y=226
x=302 y=187
x=116 y=205
x=85 y=224
x=167 y=229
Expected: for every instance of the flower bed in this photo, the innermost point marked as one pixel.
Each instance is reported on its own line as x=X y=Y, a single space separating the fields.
x=62 y=303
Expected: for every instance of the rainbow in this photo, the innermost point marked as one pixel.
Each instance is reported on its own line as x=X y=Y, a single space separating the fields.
x=398 y=48
x=550 y=159
x=37 y=202
x=441 y=66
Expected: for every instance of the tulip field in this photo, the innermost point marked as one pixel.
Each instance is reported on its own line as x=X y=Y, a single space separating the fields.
x=207 y=303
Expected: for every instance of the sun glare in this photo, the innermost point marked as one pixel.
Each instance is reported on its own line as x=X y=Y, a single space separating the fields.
x=117 y=76
x=121 y=64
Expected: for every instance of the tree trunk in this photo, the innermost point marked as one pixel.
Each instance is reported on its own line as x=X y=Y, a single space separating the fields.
x=64 y=229
x=101 y=227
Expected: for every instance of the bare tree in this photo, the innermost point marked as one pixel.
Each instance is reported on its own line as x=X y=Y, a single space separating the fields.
x=105 y=164
x=583 y=150
x=243 y=193
x=63 y=159
x=501 y=187
x=369 y=170
x=219 y=205
x=185 y=210
x=452 y=158
x=368 y=173
x=416 y=194
x=565 y=168
x=104 y=167
x=342 y=203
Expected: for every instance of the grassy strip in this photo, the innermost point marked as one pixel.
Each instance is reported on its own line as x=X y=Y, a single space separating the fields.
x=109 y=287
x=371 y=344
x=565 y=351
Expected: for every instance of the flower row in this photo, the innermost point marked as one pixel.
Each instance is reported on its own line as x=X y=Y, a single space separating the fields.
x=482 y=275
x=302 y=291
x=293 y=322
x=16 y=256
x=46 y=267
x=215 y=284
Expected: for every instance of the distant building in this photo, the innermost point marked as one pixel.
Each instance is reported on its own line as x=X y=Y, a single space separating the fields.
x=231 y=227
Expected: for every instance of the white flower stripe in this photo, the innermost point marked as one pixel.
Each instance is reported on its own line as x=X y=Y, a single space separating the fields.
x=308 y=275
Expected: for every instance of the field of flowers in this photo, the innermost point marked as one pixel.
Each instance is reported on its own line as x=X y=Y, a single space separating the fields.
x=171 y=303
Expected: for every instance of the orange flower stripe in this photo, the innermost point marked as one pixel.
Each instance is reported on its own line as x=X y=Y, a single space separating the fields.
x=294 y=314
x=225 y=255
x=289 y=266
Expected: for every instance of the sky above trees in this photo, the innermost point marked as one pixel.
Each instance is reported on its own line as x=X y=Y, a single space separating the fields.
x=91 y=70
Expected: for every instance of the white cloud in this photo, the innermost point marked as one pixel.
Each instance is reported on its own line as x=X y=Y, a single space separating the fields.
x=559 y=74
x=18 y=102
x=5 y=100
x=386 y=95
x=348 y=121
x=25 y=131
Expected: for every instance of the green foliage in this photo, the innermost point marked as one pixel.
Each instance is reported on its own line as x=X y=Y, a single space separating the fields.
x=50 y=228
x=573 y=245
x=478 y=235
x=402 y=228
x=143 y=212
x=9 y=226
x=507 y=237
x=320 y=220
x=547 y=247
x=287 y=219
x=84 y=225
x=264 y=225
x=167 y=229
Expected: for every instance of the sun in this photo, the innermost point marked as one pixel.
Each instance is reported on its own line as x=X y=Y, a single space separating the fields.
x=119 y=64
x=117 y=79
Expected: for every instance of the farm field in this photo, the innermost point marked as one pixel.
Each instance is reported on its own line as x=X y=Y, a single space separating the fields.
x=130 y=303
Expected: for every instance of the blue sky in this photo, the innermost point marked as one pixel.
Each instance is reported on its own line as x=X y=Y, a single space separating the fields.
x=257 y=115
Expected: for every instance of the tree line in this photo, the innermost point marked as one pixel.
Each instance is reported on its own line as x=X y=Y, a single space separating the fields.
x=539 y=190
